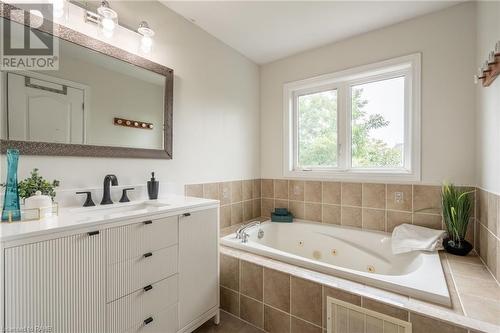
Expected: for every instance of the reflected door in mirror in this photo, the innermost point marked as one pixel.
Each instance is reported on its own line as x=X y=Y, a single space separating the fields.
x=44 y=111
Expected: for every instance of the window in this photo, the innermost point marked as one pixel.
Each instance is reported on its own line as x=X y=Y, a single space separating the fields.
x=362 y=123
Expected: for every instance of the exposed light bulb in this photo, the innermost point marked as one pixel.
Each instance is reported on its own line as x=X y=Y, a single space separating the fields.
x=147 y=37
x=146 y=44
x=109 y=19
x=58 y=8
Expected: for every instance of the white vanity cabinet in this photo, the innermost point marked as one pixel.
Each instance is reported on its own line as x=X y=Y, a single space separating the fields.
x=154 y=274
x=58 y=284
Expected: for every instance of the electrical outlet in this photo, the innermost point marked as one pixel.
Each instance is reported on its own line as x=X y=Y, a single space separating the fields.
x=296 y=190
x=225 y=193
x=398 y=197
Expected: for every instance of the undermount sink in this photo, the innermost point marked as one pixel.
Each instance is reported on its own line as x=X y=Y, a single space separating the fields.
x=118 y=209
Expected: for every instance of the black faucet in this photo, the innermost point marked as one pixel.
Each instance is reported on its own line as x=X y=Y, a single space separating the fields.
x=106 y=196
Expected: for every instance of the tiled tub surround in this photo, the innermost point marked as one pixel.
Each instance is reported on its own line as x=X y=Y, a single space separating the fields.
x=239 y=200
x=363 y=205
x=278 y=297
x=488 y=232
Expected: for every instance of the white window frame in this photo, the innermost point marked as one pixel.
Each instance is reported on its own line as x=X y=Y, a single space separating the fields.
x=407 y=66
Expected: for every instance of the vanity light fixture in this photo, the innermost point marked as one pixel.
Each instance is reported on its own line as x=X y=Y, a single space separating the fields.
x=59 y=8
x=147 y=36
x=108 y=19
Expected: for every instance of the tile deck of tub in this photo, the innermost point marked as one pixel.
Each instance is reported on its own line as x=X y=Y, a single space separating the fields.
x=475 y=294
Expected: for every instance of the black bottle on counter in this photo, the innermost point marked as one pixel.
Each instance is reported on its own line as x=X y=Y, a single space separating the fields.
x=153 y=187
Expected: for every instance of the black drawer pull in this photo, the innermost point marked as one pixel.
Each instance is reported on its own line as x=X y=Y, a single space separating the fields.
x=148 y=320
x=148 y=287
x=148 y=222
x=149 y=254
x=93 y=233
x=187 y=214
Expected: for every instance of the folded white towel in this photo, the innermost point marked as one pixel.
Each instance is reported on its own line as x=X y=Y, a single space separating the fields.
x=408 y=238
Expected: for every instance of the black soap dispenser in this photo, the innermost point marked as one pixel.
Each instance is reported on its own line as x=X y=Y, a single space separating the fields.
x=153 y=187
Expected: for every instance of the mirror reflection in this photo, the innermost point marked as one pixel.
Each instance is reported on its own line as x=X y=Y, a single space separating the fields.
x=91 y=99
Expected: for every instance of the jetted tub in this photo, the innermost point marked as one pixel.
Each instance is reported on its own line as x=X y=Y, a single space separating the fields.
x=351 y=253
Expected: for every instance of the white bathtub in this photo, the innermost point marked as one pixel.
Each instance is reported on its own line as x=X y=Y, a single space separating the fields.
x=351 y=253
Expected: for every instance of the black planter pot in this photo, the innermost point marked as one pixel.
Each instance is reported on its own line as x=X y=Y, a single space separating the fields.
x=452 y=247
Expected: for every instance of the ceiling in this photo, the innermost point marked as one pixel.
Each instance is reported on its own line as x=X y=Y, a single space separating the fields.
x=265 y=31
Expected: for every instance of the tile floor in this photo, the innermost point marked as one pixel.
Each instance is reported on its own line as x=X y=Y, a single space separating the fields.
x=228 y=324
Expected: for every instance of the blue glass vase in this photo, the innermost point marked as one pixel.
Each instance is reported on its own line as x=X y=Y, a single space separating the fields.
x=11 y=208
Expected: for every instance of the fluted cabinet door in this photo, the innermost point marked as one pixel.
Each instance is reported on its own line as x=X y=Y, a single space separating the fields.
x=58 y=284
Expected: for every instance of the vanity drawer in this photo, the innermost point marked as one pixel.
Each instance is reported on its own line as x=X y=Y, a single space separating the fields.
x=123 y=313
x=132 y=240
x=128 y=276
x=162 y=322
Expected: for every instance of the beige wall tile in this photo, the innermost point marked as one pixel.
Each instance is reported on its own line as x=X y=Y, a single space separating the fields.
x=225 y=216
x=428 y=220
x=374 y=196
x=427 y=199
x=469 y=236
x=277 y=289
x=256 y=208
x=229 y=301
x=396 y=218
x=306 y=300
x=281 y=189
x=300 y=326
x=312 y=191
x=406 y=204
x=194 y=190
x=331 y=193
x=256 y=189
x=331 y=214
x=351 y=194
x=251 y=280
x=267 y=206
x=421 y=324
x=312 y=211
x=247 y=210
x=247 y=189
x=385 y=309
x=236 y=213
x=267 y=188
x=374 y=219
x=497 y=274
x=483 y=207
x=483 y=242
x=491 y=257
x=276 y=321
x=278 y=203
x=236 y=191
x=296 y=190
x=297 y=208
x=225 y=193
x=351 y=216
x=492 y=213
x=252 y=311
x=211 y=191
x=229 y=272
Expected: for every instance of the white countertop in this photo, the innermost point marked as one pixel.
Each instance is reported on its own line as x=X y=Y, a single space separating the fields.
x=71 y=218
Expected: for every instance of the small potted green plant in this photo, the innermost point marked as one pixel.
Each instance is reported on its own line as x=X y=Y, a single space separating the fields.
x=456 y=206
x=29 y=186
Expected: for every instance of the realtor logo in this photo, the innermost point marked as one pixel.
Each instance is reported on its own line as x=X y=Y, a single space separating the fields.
x=29 y=46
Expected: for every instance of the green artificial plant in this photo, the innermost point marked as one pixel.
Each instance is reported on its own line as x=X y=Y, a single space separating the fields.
x=457 y=206
x=35 y=182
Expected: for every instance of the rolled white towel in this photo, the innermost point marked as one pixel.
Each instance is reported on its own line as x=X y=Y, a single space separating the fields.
x=409 y=237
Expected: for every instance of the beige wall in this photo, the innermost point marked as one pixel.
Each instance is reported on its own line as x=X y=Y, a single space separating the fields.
x=216 y=108
x=488 y=101
x=446 y=41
